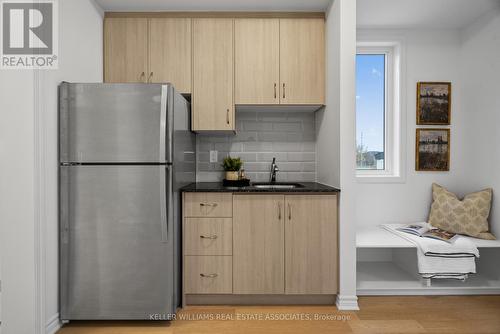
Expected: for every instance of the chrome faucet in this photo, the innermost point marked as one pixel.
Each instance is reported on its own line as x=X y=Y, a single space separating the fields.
x=274 y=169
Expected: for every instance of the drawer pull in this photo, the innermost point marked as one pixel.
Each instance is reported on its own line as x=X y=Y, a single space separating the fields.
x=209 y=275
x=279 y=211
x=208 y=204
x=213 y=237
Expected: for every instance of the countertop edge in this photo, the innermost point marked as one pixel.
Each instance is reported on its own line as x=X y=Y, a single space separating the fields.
x=217 y=187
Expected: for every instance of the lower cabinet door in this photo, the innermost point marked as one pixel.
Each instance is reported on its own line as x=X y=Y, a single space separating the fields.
x=258 y=239
x=208 y=274
x=311 y=244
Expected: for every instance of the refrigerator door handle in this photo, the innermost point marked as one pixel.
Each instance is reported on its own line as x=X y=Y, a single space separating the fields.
x=163 y=122
x=163 y=203
x=166 y=199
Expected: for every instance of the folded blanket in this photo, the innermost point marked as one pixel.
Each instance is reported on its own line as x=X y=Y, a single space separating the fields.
x=439 y=259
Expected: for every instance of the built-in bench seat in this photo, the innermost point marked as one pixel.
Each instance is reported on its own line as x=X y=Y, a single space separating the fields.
x=387 y=265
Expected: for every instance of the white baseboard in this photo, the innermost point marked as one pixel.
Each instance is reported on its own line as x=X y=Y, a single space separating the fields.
x=53 y=325
x=347 y=303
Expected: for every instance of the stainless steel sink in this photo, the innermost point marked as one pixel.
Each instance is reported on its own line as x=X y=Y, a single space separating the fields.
x=277 y=185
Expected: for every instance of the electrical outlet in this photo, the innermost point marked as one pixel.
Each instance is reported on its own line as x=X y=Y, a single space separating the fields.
x=213 y=156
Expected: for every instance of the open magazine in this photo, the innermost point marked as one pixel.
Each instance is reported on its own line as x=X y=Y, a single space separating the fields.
x=428 y=232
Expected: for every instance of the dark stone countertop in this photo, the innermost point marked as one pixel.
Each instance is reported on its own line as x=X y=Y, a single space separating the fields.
x=308 y=187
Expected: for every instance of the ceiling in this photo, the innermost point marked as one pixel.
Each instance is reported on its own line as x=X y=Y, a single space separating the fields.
x=213 y=5
x=432 y=14
x=436 y=14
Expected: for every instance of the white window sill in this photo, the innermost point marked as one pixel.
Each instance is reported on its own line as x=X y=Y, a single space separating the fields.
x=379 y=178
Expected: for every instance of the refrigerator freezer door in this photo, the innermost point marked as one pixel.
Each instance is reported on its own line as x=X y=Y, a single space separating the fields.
x=116 y=123
x=114 y=263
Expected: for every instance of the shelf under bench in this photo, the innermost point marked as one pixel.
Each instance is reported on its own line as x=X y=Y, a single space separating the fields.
x=387 y=265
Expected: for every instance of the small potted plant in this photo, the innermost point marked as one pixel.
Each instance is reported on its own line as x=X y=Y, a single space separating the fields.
x=232 y=167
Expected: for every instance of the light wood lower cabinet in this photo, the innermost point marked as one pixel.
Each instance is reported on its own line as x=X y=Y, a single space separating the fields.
x=208 y=274
x=208 y=205
x=311 y=244
x=208 y=236
x=258 y=262
x=260 y=244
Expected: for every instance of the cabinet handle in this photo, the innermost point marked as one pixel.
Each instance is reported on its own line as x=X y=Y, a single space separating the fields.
x=284 y=90
x=289 y=212
x=227 y=116
x=212 y=237
x=275 y=90
x=209 y=275
x=141 y=77
x=279 y=211
x=150 y=76
x=208 y=204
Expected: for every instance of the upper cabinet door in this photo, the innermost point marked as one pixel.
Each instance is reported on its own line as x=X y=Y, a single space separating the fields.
x=212 y=99
x=170 y=52
x=256 y=56
x=302 y=61
x=125 y=49
x=311 y=244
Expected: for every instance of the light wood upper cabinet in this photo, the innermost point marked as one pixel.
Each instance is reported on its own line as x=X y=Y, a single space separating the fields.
x=212 y=100
x=258 y=239
x=302 y=61
x=170 y=52
x=256 y=53
x=125 y=49
x=311 y=244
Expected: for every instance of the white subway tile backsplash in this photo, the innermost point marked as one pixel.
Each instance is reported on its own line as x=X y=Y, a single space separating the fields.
x=288 y=136
x=287 y=127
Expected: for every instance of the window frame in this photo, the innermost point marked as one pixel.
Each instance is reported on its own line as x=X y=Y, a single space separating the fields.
x=393 y=117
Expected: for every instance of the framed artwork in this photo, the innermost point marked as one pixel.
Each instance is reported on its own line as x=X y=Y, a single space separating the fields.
x=432 y=152
x=433 y=103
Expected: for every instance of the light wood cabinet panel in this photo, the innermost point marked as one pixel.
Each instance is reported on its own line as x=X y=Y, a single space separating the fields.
x=311 y=244
x=256 y=59
x=208 y=274
x=302 y=61
x=208 y=236
x=125 y=49
x=258 y=237
x=213 y=74
x=170 y=52
x=208 y=205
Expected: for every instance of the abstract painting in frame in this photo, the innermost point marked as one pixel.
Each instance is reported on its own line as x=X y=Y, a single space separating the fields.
x=433 y=103
x=432 y=152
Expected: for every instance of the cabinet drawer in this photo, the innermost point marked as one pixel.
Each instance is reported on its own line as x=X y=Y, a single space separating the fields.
x=208 y=205
x=208 y=274
x=208 y=236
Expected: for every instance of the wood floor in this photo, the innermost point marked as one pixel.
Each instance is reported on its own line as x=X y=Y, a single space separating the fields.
x=378 y=315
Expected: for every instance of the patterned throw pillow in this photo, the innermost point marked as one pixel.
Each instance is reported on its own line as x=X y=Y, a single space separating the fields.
x=468 y=216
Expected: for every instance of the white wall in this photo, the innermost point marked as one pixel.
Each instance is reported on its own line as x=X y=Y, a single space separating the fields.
x=335 y=145
x=431 y=55
x=480 y=73
x=80 y=60
x=28 y=149
x=16 y=201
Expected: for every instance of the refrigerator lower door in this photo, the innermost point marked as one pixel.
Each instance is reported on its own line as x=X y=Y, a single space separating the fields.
x=113 y=123
x=117 y=255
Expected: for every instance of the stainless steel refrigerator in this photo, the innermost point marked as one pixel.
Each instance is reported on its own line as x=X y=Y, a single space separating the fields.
x=124 y=152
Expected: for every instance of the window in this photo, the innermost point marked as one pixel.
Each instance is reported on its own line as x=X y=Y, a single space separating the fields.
x=370 y=111
x=378 y=117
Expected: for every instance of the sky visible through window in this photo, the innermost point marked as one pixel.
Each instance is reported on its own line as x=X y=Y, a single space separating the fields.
x=370 y=96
